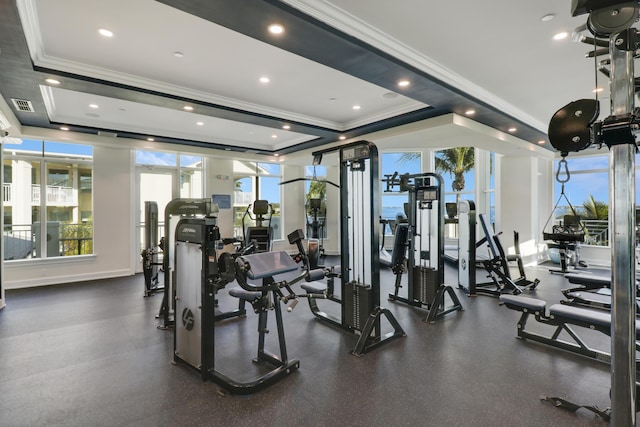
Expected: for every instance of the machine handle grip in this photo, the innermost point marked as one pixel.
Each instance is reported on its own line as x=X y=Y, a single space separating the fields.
x=292 y=305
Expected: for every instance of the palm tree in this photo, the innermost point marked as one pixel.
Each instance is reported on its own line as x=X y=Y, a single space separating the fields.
x=593 y=209
x=454 y=161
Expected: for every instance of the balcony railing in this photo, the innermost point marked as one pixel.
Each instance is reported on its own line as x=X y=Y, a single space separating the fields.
x=23 y=241
x=56 y=195
x=7 y=193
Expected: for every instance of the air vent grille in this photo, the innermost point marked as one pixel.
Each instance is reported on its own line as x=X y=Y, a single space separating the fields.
x=23 y=105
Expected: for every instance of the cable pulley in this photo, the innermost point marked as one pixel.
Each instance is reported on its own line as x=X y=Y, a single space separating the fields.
x=570 y=127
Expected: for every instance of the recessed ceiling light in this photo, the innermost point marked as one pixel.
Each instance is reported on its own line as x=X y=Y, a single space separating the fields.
x=389 y=95
x=342 y=138
x=106 y=33
x=598 y=89
x=541 y=142
x=561 y=36
x=276 y=155
x=53 y=81
x=470 y=112
x=93 y=105
x=512 y=129
x=150 y=139
x=264 y=80
x=200 y=123
x=64 y=128
x=356 y=107
x=404 y=83
x=286 y=127
x=274 y=136
x=276 y=29
x=548 y=17
x=187 y=108
x=178 y=54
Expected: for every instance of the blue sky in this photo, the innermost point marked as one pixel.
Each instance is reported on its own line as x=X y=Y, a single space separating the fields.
x=582 y=185
x=50 y=147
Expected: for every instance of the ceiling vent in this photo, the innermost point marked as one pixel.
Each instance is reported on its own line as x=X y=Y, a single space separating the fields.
x=23 y=105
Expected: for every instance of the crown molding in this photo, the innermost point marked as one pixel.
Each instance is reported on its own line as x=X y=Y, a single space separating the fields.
x=355 y=27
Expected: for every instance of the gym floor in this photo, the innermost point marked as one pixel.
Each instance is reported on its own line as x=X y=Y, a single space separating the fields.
x=89 y=354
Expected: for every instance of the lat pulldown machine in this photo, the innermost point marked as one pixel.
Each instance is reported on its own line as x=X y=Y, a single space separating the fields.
x=575 y=127
x=425 y=265
x=360 y=311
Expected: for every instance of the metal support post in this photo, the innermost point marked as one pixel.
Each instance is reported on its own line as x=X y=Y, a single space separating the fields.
x=622 y=190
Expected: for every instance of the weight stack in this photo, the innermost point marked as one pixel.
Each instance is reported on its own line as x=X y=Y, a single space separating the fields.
x=425 y=284
x=357 y=302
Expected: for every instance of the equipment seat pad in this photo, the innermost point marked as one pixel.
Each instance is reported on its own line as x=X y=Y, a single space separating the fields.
x=589 y=280
x=244 y=294
x=597 y=318
x=523 y=303
x=314 y=287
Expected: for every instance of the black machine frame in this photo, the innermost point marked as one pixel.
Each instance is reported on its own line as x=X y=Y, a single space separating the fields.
x=360 y=311
x=426 y=287
x=152 y=248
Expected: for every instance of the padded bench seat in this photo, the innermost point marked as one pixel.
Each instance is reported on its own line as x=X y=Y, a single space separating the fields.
x=583 y=315
x=589 y=280
x=519 y=303
x=244 y=294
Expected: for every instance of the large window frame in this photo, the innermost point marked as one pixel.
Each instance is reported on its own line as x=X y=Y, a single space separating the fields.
x=50 y=183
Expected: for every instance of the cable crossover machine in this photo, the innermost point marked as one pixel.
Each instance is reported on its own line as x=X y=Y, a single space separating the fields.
x=360 y=311
x=425 y=241
x=575 y=127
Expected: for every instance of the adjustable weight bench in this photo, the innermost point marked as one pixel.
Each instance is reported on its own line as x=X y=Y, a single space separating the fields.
x=563 y=316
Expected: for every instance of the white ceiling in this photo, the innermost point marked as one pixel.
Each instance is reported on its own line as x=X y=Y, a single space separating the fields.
x=498 y=52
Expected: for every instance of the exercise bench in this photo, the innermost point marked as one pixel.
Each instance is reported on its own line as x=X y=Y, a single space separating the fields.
x=563 y=316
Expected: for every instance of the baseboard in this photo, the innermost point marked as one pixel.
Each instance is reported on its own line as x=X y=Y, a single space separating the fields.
x=49 y=280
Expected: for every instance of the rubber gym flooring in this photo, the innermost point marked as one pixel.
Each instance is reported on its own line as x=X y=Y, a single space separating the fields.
x=89 y=354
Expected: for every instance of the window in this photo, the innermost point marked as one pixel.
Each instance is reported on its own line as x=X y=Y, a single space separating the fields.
x=393 y=202
x=162 y=177
x=256 y=181
x=588 y=192
x=48 y=200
